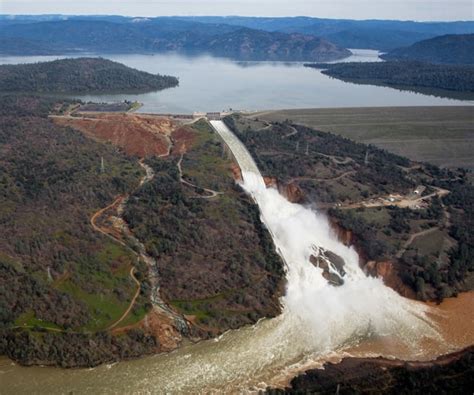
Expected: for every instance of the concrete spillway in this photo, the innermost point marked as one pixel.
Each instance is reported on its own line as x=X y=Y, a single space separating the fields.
x=249 y=169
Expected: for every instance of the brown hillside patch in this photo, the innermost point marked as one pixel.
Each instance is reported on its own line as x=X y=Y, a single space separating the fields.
x=159 y=325
x=139 y=135
x=183 y=139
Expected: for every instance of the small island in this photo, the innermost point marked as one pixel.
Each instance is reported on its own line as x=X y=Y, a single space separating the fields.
x=80 y=75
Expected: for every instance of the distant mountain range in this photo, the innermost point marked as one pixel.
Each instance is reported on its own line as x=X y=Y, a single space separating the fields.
x=244 y=38
x=122 y=35
x=383 y=35
x=448 y=49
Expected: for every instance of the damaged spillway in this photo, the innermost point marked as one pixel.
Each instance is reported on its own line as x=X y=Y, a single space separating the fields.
x=317 y=315
x=319 y=319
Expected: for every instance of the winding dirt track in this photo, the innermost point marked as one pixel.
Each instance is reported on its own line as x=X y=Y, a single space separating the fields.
x=97 y=228
x=212 y=193
x=347 y=173
x=132 y=303
x=94 y=218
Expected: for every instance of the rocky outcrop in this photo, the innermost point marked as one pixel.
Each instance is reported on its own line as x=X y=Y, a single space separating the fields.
x=293 y=193
x=331 y=264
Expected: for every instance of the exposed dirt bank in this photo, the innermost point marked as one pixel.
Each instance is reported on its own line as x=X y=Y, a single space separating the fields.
x=138 y=135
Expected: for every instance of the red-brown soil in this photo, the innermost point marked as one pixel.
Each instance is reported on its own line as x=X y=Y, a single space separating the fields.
x=183 y=138
x=391 y=277
x=138 y=135
x=293 y=193
x=158 y=325
x=271 y=182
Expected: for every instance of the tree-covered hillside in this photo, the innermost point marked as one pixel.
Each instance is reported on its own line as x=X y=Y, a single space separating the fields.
x=448 y=49
x=79 y=75
x=443 y=80
x=62 y=283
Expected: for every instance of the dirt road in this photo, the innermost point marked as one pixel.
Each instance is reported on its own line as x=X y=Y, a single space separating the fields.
x=132 y=303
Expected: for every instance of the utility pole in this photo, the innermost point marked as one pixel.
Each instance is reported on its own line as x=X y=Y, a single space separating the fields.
x=366 y=159
x=102 y=165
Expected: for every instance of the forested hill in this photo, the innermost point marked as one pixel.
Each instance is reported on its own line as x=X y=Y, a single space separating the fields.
x=448 y=49
x=441 y=80
x=79 y=75
x=162 y=35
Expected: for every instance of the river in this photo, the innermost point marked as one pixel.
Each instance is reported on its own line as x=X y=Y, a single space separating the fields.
x=319 y=321
x=208 y=83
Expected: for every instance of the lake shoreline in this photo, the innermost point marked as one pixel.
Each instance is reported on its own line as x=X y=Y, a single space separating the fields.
x=248 y=86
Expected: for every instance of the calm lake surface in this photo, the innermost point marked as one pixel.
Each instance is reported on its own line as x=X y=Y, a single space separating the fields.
x=214 y=84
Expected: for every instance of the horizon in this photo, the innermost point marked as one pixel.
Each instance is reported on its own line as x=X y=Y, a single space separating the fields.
x=234 y=16
x=402 y=10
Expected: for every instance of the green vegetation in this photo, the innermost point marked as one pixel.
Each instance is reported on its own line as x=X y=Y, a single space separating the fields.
x=429 y=243
x=328 y=165
x=455 y=81
x=216 y=260
x=442 y=136
x=79 y=75
x=61 y=282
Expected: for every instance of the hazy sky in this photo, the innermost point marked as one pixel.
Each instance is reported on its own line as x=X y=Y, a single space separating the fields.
x=353 y=9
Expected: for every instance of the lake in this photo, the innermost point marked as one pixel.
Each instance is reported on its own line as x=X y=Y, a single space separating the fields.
x=214 y=84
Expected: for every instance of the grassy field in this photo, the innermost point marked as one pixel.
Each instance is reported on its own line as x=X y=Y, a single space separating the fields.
x=443 y=136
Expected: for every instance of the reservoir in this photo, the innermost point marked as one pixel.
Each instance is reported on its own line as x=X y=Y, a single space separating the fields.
x=215 y=84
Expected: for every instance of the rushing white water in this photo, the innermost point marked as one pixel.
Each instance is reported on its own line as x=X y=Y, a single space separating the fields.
x=318 y=319
x=323 y=316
